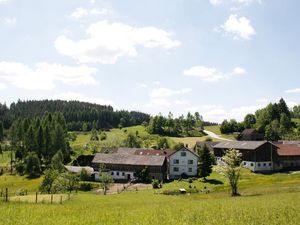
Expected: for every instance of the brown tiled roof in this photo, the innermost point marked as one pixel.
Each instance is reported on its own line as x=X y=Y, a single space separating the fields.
x=249 y=145
x=288 y=150
x=128 y=159
x=153 y=152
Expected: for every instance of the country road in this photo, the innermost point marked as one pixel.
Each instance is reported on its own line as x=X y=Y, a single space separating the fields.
x=213 y=135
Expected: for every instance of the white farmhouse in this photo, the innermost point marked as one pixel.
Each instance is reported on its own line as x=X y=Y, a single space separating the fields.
x=183 y=162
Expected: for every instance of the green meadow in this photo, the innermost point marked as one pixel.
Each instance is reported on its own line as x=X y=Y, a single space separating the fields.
x=265 y=199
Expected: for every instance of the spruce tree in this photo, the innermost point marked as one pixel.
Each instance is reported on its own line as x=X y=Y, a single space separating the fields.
x=1 y=131
x=205 y=162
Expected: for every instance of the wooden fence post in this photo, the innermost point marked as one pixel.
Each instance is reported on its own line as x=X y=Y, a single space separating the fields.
x=68 y=196
x=61 y=199
x=36 y=197
x=51 y=199
x=6 y=194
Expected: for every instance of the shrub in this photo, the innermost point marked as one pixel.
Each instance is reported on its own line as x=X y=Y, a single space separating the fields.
x=103 y=136
x=156 y=184
x=208 y=139
x=190 y=180
x=20 y=168
x=87 y=186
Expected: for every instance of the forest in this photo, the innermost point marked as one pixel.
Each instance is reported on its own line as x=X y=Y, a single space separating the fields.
x=79 y=116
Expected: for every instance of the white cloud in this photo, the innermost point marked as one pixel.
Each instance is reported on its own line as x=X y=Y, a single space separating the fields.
x=9 y=21
x=240 y=2
x=108 y=42
x=263 y=100
x=159 y=102
x=83 y=12
x=238 y=27
x=216 y=2
x=141 y=85
x=296 y=90
x=212 y=74
x=218 y=113
x=44 y=76
x=239 y=71
x=2 y=86
x=69 y=96
x=246 y=2
x=166 y=92
x=2 y=1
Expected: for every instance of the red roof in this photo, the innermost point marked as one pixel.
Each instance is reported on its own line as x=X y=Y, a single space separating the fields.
x=288 y=150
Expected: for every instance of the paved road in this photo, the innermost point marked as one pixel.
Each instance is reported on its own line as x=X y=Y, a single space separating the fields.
x=213 y=135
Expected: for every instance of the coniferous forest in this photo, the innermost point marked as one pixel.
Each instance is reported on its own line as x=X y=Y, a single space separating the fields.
x=79 y=116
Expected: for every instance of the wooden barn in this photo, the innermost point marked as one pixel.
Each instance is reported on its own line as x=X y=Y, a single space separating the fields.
x=258 y=156
x=125 y=166
x=250 y=135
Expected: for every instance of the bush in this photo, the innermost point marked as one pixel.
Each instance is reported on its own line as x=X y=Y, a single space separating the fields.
x=103 y=136
x=190 y=180
x=20 y=168
x=156 y=184
x=87 y=186
x=208 y=139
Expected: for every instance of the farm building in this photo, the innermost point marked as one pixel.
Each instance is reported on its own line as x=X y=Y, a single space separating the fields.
x=183 y=162
x=125 y=166
x=250 y=135
x=209 y=144
x=288 y=156
x=258 y=156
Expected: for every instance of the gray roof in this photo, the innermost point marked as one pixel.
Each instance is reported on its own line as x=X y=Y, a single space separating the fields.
x=210 y=144
x=127 y=159
x=250 y=145
x=77 y=169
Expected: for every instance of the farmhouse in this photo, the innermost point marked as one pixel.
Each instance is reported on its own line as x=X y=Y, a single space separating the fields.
x=126 y=166
x=183 y=162
x=258 y=156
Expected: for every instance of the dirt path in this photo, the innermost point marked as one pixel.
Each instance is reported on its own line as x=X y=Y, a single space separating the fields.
x=213 y=135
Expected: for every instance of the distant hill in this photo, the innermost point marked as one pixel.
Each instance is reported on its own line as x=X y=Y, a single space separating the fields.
x=78 y=115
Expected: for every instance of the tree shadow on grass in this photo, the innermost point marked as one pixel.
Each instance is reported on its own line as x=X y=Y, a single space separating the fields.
x=214 y=181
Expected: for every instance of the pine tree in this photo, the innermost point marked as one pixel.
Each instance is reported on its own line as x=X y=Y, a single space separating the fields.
x=40 y=141
x=30 y=140
x=205 y=162
x=1 y=131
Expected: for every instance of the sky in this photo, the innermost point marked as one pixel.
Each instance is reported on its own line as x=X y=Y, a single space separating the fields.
x=222 y=58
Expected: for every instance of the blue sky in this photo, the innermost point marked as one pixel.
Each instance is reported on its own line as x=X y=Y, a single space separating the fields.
x=223 y=58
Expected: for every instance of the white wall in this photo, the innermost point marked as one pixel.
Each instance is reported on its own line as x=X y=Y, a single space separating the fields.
x=258 y=166
x=183 y=166
x=121 y=175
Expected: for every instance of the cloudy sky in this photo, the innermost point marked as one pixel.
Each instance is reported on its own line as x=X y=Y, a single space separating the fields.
x=223 y=58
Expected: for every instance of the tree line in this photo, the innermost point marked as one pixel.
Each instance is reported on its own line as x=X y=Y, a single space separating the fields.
x=79 y=116
x=274 y=121
x=190 y=125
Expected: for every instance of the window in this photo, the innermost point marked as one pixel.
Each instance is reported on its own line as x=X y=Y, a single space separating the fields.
x=117 y=173
x=112 y=173
x=265 y=164
x=175 y=169
x=270 y=164
x=123 y=174
x=176 y=161
x=190 y=161
x=251 y=164
x=258 y=164
x=190 y=170
x=183 y=153
x=245 y=163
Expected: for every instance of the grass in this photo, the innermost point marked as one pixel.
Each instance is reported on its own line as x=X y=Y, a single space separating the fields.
x=5 y=159
x=148 y=208
x=42 y=198
x=266 y=199
x=15 y=183
x=216 y=129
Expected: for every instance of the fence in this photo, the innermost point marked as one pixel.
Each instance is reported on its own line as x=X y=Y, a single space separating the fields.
x=33 y=197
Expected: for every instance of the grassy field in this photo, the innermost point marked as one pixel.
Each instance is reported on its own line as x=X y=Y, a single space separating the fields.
x=5 y=159
x=145 y=207
x=41 y=198
x=118 y=135
x=216 y=130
